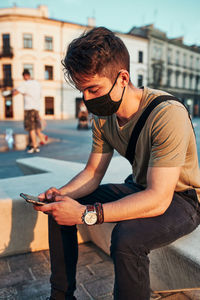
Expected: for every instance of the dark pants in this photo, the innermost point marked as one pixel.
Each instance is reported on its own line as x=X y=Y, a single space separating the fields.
x=131 y=242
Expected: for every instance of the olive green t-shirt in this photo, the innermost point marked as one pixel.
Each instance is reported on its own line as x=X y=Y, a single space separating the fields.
x=166 y=140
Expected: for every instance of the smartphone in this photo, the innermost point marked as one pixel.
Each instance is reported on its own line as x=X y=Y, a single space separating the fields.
x=32 y=199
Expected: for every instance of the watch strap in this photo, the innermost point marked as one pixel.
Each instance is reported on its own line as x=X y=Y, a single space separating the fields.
x=100 y=214
x=90 y=208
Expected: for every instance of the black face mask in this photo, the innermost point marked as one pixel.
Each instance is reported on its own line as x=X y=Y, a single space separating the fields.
x=104 y=105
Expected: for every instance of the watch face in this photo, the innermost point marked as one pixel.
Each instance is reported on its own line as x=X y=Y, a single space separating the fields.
x=90 y=218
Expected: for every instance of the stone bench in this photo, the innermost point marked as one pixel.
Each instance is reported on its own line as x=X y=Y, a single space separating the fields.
x=172 y=267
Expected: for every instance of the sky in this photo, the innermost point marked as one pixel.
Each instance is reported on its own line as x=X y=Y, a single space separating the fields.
x=175 y=17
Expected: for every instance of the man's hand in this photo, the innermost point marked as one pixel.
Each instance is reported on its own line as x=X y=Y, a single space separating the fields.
x=65 y=210
x=15 y=92
x=49 y=194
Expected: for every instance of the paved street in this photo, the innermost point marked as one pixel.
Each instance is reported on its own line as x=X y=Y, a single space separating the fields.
x=26 y=276
x=69 y=144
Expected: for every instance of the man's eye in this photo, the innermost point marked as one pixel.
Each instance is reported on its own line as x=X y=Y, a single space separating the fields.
x=93 y=91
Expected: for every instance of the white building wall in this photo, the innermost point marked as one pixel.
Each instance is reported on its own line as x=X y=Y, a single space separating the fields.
x=134 y=45
x=69 y=93
x=20 y=22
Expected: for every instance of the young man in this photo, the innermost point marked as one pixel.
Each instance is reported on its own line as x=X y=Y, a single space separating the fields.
x=161 y=201
x=31 y=90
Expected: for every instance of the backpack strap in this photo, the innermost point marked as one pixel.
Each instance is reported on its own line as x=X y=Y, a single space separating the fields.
x=130 y=151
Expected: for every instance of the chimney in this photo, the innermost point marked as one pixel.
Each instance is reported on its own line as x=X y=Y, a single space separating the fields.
x=91 y=21
x=43 y=9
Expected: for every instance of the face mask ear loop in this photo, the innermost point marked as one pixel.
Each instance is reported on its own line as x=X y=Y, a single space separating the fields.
x=114 y=83
x=123 y=92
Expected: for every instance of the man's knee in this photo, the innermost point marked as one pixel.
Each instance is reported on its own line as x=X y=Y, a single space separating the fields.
x=127 y=238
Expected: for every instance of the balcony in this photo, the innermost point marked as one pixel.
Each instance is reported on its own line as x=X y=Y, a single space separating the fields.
x=4 y=83
x=6 y=52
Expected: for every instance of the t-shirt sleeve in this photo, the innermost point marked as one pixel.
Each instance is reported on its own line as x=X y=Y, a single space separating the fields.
x=99 y=142
x=170 y=137
x=21 y=89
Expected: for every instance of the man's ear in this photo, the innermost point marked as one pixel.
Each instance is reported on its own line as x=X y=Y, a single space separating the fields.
x=124 y=77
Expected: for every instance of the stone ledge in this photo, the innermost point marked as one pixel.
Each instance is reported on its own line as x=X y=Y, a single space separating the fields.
x=176 y=266
x=25 y=229
x=22 y=228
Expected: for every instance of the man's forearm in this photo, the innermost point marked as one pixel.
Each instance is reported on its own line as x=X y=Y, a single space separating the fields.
x=143 y=204
x=151 y=202
x=81 y=185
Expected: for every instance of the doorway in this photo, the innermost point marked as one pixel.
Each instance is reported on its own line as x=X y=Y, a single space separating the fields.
x=8 y=107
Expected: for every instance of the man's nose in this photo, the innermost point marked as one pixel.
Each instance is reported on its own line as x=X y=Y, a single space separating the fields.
x=86 y=95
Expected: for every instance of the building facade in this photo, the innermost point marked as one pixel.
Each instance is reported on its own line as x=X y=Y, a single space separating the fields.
x=29 y=39
x=173 y=66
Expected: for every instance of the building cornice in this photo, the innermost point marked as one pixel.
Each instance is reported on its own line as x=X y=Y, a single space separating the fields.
x=151 y=33
x=24 y=18
x=56 y=22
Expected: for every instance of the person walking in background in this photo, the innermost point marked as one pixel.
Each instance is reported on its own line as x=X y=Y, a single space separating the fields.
x=31 y=90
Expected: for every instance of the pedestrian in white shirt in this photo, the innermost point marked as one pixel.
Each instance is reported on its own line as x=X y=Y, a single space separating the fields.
x=31 y=90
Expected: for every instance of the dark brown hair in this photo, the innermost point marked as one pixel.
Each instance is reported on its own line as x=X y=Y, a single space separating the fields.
x=98 y=51
x=26 y=72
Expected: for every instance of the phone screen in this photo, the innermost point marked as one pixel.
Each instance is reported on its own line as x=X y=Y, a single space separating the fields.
x=32 y=199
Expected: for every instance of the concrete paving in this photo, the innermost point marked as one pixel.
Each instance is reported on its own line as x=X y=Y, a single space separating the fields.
x=26 y=276
x=73 y=145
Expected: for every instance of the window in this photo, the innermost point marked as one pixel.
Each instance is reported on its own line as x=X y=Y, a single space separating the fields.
x=177 y=58
x=49 y=105
x=169 y=56
x=157 y=52
x=169 y=77
x=28 y=43
x=184 y=80
x=140 y=56
x=6 y=49
x=48 y=74
x=30 y=68
x=177 y=78
x=197 y=82
x=7 y=75
x=191 y=81
x=6 y=41
x=197 y=63
x=191 y=62
x=48 y=43
x=140 y=80
x=184 y=60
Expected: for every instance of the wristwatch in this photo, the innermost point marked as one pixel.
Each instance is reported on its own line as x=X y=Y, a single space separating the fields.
x=89 y=216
